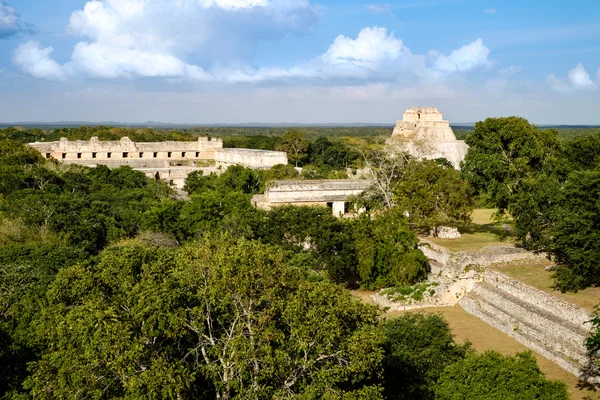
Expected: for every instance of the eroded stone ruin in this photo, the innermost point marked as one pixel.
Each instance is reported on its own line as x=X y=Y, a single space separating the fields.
x=171 y=161
x=335 y=193
x=423 y=133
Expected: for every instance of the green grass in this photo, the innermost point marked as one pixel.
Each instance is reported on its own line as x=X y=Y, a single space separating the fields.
x=482 y=232
x=535 y=275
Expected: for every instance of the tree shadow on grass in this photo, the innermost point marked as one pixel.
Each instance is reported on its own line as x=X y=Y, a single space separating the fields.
x=502 y=233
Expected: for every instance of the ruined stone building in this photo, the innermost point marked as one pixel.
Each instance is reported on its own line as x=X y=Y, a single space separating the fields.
x=335 y=193
x=424 y=133
x=171 y=161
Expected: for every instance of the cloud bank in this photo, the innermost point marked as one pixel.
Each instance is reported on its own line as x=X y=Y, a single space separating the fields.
x=10 y=23
x=215 y=40
x=578 y=79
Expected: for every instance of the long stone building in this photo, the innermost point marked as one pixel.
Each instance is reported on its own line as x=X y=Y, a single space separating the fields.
x=333 y=193
x=424 y=133
x=171 y=161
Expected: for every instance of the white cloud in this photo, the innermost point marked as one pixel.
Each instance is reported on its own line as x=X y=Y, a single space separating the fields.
x=214 y=40
x=371 y=48
x=36 y=61
x=154 y=38
x=9 y=20
x=557 y=84
x=578 y=79
x=490 y=11
x=374 y=55
x=464 y=59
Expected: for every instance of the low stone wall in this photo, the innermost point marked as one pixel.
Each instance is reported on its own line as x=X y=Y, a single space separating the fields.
x=456 y=264
x=543 y=300
x=258 y=159
x=315 y=191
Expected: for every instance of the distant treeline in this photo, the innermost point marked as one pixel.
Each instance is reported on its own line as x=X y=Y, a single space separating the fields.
x=564 y=132
x=26 y=135
x=264 y=138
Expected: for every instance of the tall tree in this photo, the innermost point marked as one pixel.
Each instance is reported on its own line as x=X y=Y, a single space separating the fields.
x=385 y=168
x=295 y=144
x=386 y=250
x=418 y=348
x=503 y=153
x=433 y=194
x=222 y=319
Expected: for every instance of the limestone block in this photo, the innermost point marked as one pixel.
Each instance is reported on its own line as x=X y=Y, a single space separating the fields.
x=446 y=232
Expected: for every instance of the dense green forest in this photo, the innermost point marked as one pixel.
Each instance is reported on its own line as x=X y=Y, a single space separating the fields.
x=112 y=286
x=266 y=138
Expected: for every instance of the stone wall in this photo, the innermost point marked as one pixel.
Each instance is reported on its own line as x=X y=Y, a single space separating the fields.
x=455 y=264
x=299 y=191
x=171 y=161
x=542 y=322
x=257 y=159
x=335 y=193
x=127 y=152
x=540 y=299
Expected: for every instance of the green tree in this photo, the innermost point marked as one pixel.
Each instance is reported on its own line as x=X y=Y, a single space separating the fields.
x=221 y=319
x=295 y=144
x=313 y=231
x=333 y=153
x=592 y=372
x=386 y=251
x=418 y=348
x=492 y=376
x=575 y=231
x=386 y=170
x=503 y=153
x=433 y=194
x=235 y=178
x=26 y=271
x=280 y=172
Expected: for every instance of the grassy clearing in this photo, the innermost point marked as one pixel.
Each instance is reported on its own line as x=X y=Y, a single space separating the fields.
x=535 y=275
x=472 y=241
x=482 y=232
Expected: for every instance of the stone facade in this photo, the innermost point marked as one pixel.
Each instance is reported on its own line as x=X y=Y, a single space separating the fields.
x=333 y=193
x=257 y=159
x=170 y=161
x=127 y=152
x=424 y=133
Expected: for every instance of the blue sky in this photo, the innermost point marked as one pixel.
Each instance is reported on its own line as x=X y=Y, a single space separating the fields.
x=235 y=61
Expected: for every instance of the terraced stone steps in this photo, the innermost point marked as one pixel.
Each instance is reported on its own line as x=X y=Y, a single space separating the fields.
x=526 y=316
x=532 y=315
